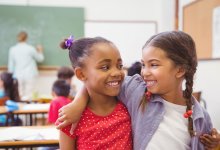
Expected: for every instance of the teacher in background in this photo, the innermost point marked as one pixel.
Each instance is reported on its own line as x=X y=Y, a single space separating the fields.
x=22 y=63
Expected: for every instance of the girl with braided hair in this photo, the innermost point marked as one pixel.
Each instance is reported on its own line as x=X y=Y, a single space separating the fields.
x=164 y=114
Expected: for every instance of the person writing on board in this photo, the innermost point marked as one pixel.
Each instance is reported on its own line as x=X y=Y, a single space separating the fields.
x=22 y=63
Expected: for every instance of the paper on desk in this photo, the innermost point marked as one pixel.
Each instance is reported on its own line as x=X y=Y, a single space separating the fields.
x=21 y=133
x=35 y=106
x=49 y=134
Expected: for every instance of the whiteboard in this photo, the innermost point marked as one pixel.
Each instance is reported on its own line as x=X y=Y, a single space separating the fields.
x=129 y=37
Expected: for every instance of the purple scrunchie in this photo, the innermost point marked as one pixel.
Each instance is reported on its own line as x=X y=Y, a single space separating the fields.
x=69 y=42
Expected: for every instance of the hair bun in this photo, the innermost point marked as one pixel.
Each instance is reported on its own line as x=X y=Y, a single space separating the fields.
x=67 y=43
x=62 y=45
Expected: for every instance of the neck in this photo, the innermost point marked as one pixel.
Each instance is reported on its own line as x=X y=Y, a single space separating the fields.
x=102 y=105
x=175 y=98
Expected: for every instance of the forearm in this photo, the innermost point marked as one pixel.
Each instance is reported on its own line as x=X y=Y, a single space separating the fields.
x=65 y=142
x=72 y=112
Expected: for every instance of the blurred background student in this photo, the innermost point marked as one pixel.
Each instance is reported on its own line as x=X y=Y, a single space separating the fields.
x=66 y=73
x=9 y=96
x=22 y=63
x=135 y=68
x=60 y=93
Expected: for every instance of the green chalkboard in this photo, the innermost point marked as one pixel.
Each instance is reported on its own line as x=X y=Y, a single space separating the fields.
x=44 y=25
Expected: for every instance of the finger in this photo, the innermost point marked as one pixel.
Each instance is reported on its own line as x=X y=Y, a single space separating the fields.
x=210 y=146
x=62 y=125
x=60 y=110
x=62 y=118
x=73 y=126
x=60 y=114
x=208 y=141
x=214 y=133
x=211 y=138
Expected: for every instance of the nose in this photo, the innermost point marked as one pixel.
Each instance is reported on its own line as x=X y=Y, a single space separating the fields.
x=116 y=72
x=145 y=72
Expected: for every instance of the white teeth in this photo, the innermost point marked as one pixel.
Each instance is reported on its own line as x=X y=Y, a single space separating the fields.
x=150 y=83
x=113 y=83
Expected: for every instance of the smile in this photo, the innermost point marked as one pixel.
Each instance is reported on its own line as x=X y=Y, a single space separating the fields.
x=113 y=83
x=150 y=83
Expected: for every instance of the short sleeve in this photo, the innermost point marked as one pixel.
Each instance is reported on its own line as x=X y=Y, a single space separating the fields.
x=67 y=131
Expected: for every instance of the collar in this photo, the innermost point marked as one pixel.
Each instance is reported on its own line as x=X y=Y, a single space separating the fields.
x=197 y=109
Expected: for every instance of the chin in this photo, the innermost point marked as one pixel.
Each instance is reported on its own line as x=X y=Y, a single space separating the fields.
x=113 y=93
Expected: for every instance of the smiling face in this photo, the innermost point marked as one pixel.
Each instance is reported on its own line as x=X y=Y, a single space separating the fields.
x=103 y=70
x=159 y=72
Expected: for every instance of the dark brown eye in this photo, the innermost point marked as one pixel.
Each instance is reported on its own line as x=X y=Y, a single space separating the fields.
x=105 y=67
x=120 y=66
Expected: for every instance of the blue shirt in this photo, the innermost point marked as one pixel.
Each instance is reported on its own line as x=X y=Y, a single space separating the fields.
x=145 y=123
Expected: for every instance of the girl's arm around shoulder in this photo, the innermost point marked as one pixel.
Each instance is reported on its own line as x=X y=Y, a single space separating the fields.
x=129 y=87
x=66 y=142
x=72 y=112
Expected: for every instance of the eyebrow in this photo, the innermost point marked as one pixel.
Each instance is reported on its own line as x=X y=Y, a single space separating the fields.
x=142 y=61
x=108 y=60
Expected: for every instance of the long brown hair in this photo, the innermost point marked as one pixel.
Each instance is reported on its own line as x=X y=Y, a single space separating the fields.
x=180 y=48
x=10 y=86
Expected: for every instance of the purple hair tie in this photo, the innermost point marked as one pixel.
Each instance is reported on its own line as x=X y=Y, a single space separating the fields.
x=69 y=42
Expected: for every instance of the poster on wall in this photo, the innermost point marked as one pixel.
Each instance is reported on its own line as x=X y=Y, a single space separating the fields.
x=216 y=33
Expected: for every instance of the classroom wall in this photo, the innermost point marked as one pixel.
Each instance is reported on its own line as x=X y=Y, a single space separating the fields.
x=207 y=78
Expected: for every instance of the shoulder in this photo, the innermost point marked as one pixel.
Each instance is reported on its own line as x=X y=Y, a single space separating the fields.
x=135 y=80
x=201 y=115
x=121 y=107
x=11 y=49
x=133 y=84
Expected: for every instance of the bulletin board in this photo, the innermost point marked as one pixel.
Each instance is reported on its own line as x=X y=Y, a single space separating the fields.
x=198 y=22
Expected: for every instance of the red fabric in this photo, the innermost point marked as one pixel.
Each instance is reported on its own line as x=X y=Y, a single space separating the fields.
x=55 y=105
x=111 y=132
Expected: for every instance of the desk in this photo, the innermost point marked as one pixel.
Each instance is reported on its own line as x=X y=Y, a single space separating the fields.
x=45 y=136
x=28 y=110
x=39 y=100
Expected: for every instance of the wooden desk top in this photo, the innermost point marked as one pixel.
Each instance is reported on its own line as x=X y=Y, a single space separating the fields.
x=28 y=109
x=30 y=143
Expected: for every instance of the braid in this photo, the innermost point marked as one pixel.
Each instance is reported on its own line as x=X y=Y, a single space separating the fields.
x=187 y=94
x=143 y=102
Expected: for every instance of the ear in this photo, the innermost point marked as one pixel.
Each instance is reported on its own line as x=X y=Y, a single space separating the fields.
x=180 y=72
x=79 y=73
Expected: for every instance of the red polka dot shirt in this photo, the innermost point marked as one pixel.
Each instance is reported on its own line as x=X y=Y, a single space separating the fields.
x=112 y=132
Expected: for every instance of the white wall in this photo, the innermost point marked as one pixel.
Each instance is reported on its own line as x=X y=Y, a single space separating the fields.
x=207 y=80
